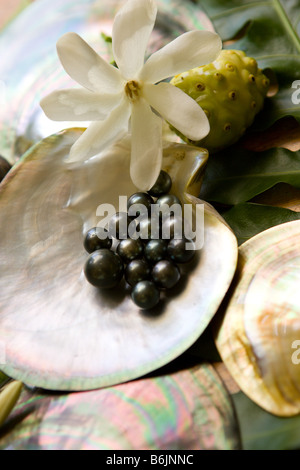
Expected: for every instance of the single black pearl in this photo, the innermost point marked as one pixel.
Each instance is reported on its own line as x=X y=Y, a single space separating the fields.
x=145 y=294
x=97 y=238
x=178 y=252
x=162 y=185
x=136 y=271
x=104 y=269
x=172 y=227
x=118 y=225
x=148 y=229
x=130 y=249
x=165 y=274
x=168 y=200
x=155 y=251
x=143 y=199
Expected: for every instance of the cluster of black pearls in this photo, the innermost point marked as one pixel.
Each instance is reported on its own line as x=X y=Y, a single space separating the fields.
x=148 y=258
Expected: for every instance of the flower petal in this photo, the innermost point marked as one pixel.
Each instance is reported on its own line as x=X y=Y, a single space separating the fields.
x=132 y=27
x=86 y=67
x=178 y=109
x=146 y=146
x=101 y=134
x=186 y=52
x=78 y=105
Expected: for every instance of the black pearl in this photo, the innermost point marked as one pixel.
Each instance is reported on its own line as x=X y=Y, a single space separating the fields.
x=136 y=271
x=162 y=185
x=130 y=249
x=97 y=238
x=104 y=269
x=172 y=227
x=155 y=251
x=143 y=199
x=118 y=225
x=168 y=200
x=145 y=295
x=148 y=229
x=178 y=251
x=165 y=274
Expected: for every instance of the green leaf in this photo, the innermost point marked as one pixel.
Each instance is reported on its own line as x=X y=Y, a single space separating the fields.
x=106 y=38
x=3 y=379
x=249 y=219
x=8 y=398
x=262 y=431
x=270 y=36
x=237 y=175
x=267 y=31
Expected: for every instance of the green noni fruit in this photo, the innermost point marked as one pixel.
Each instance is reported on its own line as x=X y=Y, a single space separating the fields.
x=231 y=91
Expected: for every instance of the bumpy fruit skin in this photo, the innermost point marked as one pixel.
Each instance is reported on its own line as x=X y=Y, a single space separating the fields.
x=231 y=91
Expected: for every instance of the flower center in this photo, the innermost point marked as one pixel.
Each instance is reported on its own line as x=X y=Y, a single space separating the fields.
x=132 y=90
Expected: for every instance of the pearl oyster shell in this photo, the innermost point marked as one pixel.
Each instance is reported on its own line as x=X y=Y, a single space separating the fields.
x=187 y=409
x=58 y=331
x=259 y=335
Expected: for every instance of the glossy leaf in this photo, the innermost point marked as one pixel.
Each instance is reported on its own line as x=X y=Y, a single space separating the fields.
x=261 y=430
x=185 y=410
x=3 y=379
x=248 y=219
x=237 y=175
x=268 y=32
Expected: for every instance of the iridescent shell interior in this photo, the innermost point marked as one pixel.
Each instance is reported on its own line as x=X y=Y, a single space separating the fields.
x=259 y=337
x=187 y=409
x=60 y=332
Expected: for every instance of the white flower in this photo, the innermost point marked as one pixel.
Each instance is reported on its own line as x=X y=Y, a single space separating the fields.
x=116 y=98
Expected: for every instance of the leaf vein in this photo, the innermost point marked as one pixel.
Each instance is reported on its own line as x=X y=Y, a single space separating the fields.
x=258 y=175
x=240 y=8
x=286 y=22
